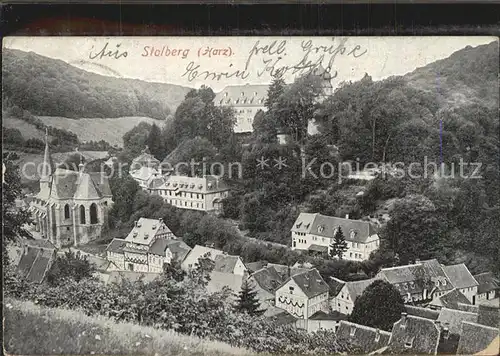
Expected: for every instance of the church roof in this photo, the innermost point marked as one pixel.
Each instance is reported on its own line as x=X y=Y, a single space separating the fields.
x=47 y=164
x=85 y=188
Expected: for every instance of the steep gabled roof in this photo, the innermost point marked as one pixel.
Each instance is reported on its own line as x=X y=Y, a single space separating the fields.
x=451 y=299
x=487 y=282
x=179 y=249
x=200 y=251
x=336 y=286
x=255 y=266
x=85 y=188
x=311 y=283
x=475 y=338
x=356 y=288
x=414 y=335
x=269 y=279
x=145 y=230
x=453 y=319
x=460 y=276
x=366 y=338
x=116 y=245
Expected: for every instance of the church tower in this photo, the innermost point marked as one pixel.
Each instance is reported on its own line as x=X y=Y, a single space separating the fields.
x=46 y=170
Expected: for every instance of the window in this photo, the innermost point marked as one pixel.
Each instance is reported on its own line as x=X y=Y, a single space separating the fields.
x=66 y=211
x=93 y=214
x=67 y=229
x=82 y=214
x=350 y=254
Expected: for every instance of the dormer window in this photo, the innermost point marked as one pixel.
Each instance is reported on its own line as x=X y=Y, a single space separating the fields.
x=298 y=225
x=135 y=234
x=146 y=236
x=321 y=228
x=353 y=331
x=225 y=94
x=154 y=227
x=444 y=282
x=409 y=342
x=352 y=234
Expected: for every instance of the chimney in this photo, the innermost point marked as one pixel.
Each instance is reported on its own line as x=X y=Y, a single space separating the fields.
x=446 y=333
x=377 y=335
x=160 y=220
x=288 y=271
x=403 y=316
x=347 y=216
x=135 y=223
x=438 y=323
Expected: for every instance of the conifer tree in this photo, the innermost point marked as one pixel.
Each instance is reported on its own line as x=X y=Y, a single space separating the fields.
x=247 y=300
x=276 y=88
x=338 y=246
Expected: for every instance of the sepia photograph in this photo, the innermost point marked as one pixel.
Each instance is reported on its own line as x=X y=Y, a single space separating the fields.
x=244 y=195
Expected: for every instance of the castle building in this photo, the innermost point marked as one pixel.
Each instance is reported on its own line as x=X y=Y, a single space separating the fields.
x=248 y=99
x=71 y=207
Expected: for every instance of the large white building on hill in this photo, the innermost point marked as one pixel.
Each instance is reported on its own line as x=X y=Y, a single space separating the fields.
x=315 y=232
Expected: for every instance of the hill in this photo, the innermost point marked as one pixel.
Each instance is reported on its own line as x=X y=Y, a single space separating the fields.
x=468 y=76
x=51 y=87
x=30 y=329
x=110 y=130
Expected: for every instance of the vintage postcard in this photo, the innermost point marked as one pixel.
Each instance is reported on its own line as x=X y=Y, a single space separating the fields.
x=246 y=195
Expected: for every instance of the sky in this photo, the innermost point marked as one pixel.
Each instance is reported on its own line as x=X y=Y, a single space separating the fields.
x=221 y=61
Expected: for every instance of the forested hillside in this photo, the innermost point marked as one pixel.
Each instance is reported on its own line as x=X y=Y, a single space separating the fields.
x=50 y=87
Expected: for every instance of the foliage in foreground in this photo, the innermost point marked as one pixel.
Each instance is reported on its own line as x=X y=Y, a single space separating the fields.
x=179 y=306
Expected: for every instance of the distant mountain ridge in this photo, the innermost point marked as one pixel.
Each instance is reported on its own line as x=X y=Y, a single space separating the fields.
x=51 y=87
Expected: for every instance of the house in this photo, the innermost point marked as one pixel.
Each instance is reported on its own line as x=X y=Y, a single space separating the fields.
x=144 y=176
x=363 y=338
x=72 y=206
x=315 y=232
x=146 y=247
x=230 y=264
x=255 y=266
x=36 y=259
x=417 y=282
x=462 y=279
x=415 y=335
x=476 y=338
x=145 y=159
x=246 y=100
x=198 y=251
x=303 y=294
x=488 y=286
x=194 y=193
x=489 y=313
x=266 y=281
x=321 y=321
x=449 y=300
x=347 y=292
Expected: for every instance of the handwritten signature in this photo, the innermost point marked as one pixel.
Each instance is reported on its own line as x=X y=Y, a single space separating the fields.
x=270 y=56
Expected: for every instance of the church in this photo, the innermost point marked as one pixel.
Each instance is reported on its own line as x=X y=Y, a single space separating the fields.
x=72 y=206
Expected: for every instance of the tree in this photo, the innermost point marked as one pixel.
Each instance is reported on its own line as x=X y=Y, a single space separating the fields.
x=13 y=219
x=72 y=162
x=338 y=245
x=200 y=274
x=275 y=90
x=247 y=301
x=135 y=139
x=154 y=142
x=72 y=266
x=380 y=306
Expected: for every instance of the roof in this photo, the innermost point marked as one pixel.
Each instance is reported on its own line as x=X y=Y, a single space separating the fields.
x=116 y=245
x=200 y=251
x=206 y=184
x=311 y=283
x=326 y=226
x=219 y=280
x=35 y=263
x=422 y=312
x=413 y=334
x=145 y=158
x=366 y=338
x=487 y=282
x=475 y=338
x=269 y=278
x=225 y=263
x=336 y=286
x=144 y=173
x=85 y=188
x=460 y=276
x=467 y=307
x=159 y=247
x=356 y=288
x=145 y=230
x=179 y=249
x=488 y=313
x=242 y=95
x=333 y=315
x=318 y=248
x=410 y=278
x=69 y=184
x=453 y=319
x=451 y=299
x=255 y=266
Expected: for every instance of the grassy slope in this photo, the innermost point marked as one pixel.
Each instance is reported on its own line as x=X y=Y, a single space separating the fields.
x=110 y=130
x=30 y=330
